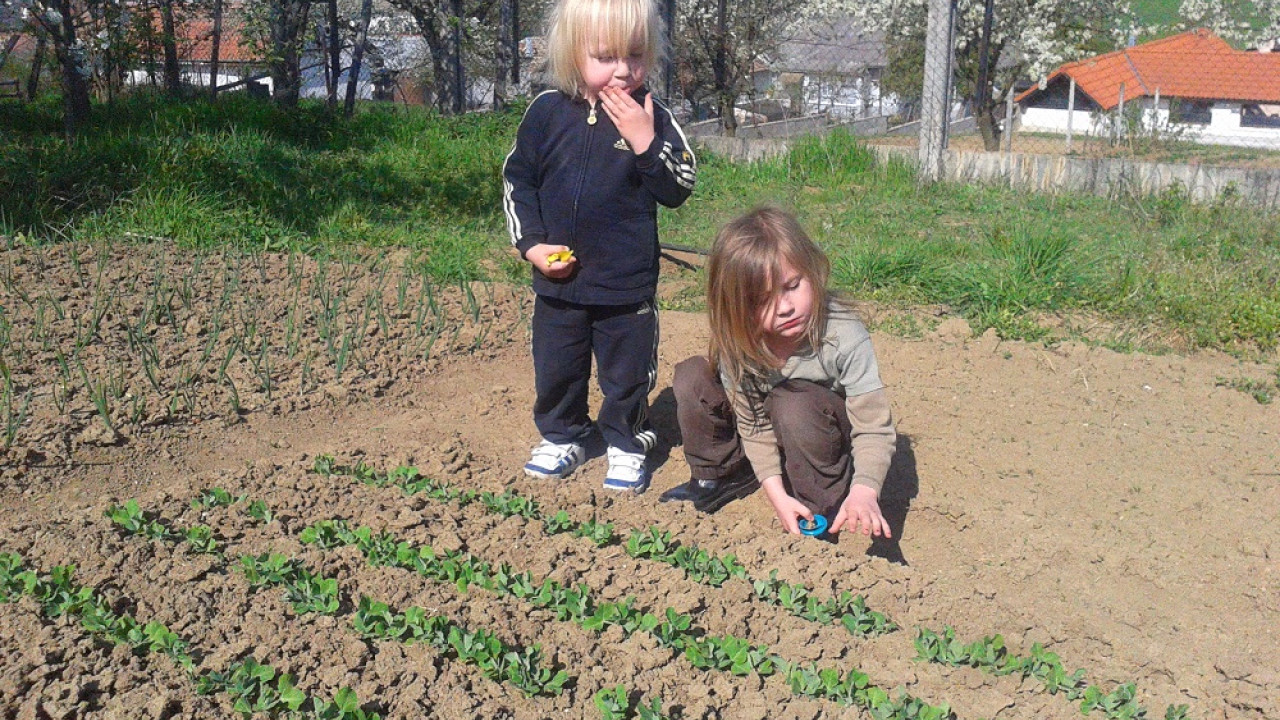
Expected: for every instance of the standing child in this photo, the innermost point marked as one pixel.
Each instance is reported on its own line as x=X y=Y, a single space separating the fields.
x=592 y=159
x=792 y=389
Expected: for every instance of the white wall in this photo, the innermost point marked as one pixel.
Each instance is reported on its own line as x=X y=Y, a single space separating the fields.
x=1223 y=129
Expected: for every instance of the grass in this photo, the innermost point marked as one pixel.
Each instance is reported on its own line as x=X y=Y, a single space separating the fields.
x=1159 y=272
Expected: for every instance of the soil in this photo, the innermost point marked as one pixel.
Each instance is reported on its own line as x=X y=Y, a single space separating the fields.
x=1121 y=509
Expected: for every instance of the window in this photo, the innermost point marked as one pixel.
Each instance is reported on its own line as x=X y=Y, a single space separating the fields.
x=1190 y=112
x=1257 y=116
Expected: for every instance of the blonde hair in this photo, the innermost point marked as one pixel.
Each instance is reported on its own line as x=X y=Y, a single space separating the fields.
x=743 y=279
x=620 y=27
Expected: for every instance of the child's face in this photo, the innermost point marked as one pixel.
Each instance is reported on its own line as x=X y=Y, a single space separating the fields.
x=602 y=67
x=786 y=316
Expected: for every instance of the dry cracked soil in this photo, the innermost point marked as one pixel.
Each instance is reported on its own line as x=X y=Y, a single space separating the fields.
x=1119 y=508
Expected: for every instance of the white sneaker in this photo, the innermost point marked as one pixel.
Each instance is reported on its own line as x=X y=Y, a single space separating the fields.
x=626 y=472
x=552 y=461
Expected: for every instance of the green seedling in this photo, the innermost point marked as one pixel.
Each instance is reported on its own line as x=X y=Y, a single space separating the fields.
x=200 y=538
x=1119 y=704
x=600 y=534
x=509 y=504
x=312 y=593
x=328 y=534
x=260 y=511
x=134 y=521
x=558 y=523
x=215 y=497
x=651 y=543
x=266 y=569
x=612 y=703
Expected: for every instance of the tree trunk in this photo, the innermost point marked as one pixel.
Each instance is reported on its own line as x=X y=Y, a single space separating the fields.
x=334 y=46
x=725 y=94
x=169 y=41
x=455 y=56
x=441 y=82
x=987 y=128
x=357 y=55
x=75 y=85
x=287 y=19
x=215 y=47
x=506 y=40
x=37 y=64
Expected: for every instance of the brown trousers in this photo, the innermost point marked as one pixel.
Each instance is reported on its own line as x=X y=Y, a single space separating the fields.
x=809 y=421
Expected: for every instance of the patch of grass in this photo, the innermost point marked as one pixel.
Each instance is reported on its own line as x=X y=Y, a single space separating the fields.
x=1264 y=391
x=1161 y=271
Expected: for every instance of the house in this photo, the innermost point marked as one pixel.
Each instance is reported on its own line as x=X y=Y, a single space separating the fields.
x=827 y=66
x=1191 y=86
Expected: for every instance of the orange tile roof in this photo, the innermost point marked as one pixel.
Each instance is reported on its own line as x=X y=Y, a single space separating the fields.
x=196 y=43
x=1196 y=64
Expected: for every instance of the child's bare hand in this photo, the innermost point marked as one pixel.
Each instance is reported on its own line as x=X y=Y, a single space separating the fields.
x=633 y=120
x=554 y=261
x=788 y=509
x=861 y=510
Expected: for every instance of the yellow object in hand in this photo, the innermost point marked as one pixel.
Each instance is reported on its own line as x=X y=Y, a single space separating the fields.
x=562 y=256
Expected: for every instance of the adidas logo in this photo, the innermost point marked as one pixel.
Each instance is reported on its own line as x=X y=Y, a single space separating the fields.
x=622 y=144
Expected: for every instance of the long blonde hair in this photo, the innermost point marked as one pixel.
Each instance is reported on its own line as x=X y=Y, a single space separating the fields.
x=620 y=27
x=743 y=279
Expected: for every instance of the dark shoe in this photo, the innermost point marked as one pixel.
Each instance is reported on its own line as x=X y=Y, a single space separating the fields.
x=692 y=491
x=726 y=490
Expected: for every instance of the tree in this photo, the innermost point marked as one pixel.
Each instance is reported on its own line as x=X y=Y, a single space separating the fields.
x=1027 y=39
x=61 y=21
x=718 y=42
x=169 y=41
x=1244 y=22
x=357 y=55
x=453 y=29
x=215 y=48
x=279 y=29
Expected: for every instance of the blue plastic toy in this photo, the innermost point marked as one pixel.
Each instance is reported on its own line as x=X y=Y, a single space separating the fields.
x=817 y=527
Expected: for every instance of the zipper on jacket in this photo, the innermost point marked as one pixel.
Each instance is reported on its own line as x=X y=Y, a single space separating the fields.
x=582 y=176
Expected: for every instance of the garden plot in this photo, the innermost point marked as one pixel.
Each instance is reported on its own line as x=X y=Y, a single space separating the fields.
x=361 y=544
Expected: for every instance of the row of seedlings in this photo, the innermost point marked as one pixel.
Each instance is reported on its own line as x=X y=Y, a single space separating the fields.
x=674 y=631
x=654 y=543
x=310 y=592
x=991 y=655
x=253 y=687
x=650 y=543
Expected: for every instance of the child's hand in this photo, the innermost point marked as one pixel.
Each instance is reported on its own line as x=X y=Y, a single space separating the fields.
x=633 y=120
x=788 y=509
x=861 y=509
x=541 y=256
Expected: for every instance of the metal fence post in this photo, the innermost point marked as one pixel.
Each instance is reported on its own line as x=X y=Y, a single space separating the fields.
x=1070 y=113
x=1118 y=128
x=936 y=91
x=1008 y=121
